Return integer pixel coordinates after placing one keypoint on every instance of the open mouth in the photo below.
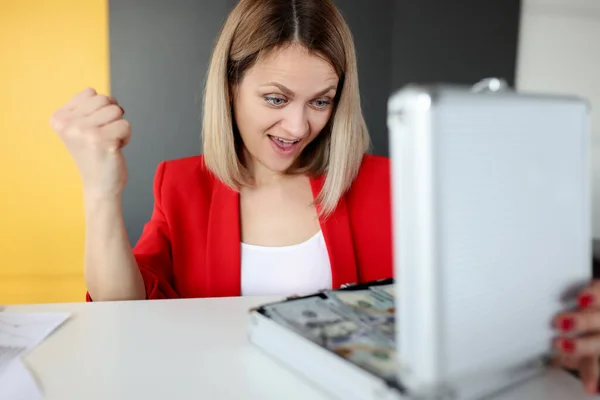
(284, 146)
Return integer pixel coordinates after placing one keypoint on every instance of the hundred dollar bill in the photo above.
(333, 324)
(370, 355)
(366, 305)
(311, 317)
(385, 290)
(373, 310)
(365, 302)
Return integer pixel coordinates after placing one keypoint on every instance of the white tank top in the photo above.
(299, 269)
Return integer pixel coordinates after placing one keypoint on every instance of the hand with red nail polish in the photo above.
(579, 338)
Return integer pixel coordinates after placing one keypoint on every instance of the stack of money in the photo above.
(357, 325)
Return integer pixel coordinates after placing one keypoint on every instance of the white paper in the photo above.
(27, 330)
(20, 333)
(8, 354)
(16, 383)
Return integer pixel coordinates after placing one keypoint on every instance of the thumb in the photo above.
(590, 374)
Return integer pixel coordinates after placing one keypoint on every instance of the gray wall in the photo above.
(160, 52)
(159, 55)
(454, 41)
(372, 29)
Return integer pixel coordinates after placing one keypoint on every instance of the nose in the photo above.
(295, 122)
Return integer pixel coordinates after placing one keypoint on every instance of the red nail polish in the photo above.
(568, 345)
(567, 324)
(586, 300)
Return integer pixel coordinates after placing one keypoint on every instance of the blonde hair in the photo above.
(253, 29)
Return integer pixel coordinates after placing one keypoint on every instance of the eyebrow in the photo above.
(288, 92)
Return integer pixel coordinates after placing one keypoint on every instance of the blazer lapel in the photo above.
(223, 259)
(338, 239)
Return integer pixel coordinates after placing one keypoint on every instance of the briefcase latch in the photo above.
(490, 85)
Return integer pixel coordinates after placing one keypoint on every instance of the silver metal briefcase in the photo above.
(492, 232)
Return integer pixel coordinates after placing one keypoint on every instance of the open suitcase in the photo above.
(492, 238)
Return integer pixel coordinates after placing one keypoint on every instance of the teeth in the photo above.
(284, 141)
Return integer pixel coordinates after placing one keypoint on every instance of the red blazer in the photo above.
(191, 245)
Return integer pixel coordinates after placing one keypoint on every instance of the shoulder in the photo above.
(183, 176)
(186, 165)
(184, 169)
(373, 177)
(373, 166)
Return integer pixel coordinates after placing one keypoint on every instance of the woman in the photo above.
(284, 199)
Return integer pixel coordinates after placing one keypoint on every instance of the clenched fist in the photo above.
(92, 128)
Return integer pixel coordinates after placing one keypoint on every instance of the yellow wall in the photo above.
(49, 50)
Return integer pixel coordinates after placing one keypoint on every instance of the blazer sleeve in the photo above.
(153, 250)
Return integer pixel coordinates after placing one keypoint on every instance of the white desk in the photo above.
(184, 349)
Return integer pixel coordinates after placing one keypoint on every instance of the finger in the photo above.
(78, 98)
(117, 134)
(590, 296)
(95, 103)
(589, 369)
(566, 361)
(586, 321)
(105, 115)
(61, 117)
(584, 346)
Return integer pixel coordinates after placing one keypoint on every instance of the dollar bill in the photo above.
(385, 290)
(356, 325)
(363, 345)
(311, 317)
(365, 305)
(373, 311)
(340, 332)
(365, 301)
(370, 355)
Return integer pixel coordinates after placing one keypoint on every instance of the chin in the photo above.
(275, 160)
(280, 160)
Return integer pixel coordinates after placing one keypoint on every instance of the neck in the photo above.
(261, 175)
(265, 177)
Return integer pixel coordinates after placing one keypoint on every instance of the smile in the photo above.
(284, 141)
(284, 147)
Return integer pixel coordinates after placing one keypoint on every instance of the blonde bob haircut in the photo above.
(254, 29)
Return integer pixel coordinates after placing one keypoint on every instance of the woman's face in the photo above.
(281, 105)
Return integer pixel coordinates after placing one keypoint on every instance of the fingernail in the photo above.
(567, 324)
(567, 345)
(586, 300)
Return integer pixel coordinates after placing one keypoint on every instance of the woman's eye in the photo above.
(275, 101)
(321, 104)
